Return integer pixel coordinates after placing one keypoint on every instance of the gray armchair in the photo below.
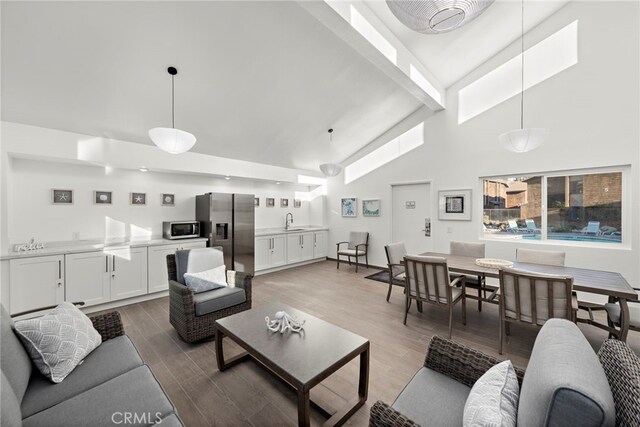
(357, 246)
(193, 315)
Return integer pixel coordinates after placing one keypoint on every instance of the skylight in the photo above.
(390, 151)
(363, 26)
(552, 55)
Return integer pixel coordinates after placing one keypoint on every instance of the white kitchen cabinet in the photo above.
(270, 251)
(87, 278)
(320, 239)
(36, 282)
(299, 247)
(128, 272)
(157, 273)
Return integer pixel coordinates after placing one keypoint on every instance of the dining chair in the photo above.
(475, 250)
(395, 259)
(357, 246)
(533, 298)
(534, 256)
(428, 280)
(613, 316)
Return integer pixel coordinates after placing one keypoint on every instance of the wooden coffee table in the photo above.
(302, 360)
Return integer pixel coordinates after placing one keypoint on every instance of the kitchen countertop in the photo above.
(71, 247)
(294, 229)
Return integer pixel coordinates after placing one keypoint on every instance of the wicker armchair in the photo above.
(446, 357)
(182, 315)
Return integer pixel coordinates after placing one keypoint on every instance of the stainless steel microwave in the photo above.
(180, 229)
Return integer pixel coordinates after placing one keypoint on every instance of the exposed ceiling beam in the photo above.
(359, 27)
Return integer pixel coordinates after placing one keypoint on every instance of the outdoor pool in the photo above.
(576, 238)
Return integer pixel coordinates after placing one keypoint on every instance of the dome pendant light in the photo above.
(522, 140)
(172, 140)
(330, 169)
(437, 16)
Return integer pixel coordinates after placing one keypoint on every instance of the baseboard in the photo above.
(121, 303)
(287, 266)
(360, 264)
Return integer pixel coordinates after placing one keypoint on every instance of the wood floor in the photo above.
(248, 395)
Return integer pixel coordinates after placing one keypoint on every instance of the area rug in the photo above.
(383, 276)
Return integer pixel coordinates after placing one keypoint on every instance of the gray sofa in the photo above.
(565, 384)
(111, 386)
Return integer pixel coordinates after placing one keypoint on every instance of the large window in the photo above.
(576, 207)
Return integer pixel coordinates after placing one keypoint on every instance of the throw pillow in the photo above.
(206, 280)
(58, 341)
(493, 400)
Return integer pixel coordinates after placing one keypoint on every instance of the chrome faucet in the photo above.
(286, 218)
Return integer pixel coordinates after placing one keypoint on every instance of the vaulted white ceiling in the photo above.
(258, 81)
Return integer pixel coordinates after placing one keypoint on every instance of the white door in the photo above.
(411, 210)
(36, 282)
(278, 251)
(306, 246)
(158, 276)
(87, 278)
(320, 244)
(262, 253)
(128, 272)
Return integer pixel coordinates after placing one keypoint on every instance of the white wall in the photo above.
(592, 113)
(33, 215)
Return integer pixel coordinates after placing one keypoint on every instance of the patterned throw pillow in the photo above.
(206, 280)
(58, 341)
(493, 400)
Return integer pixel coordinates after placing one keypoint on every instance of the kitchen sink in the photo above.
(294, 229)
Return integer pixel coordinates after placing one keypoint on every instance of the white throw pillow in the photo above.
(493, 400)
(58, 341)
(206, 280)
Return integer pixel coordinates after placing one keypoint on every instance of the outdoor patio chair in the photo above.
(532, 299)
(395, 255)
(357, 246)
(428, 280)
(534, 256)
(593, 227)
(531, 226)
(613, 315)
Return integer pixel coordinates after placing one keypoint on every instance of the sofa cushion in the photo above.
(136, 392)
(218, 299)
(622, 368)
(10, 414)
(58, 341)
(197, 260)
(171, 420)
(14, 359)
(564, 383)
(493, 400)
(113, 358)
(432, 399)
(206, 280)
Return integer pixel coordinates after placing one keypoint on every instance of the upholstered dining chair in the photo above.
(357, 246)
(475, 250)
(192, 314)
(428, 280)
(534, 256)
(613, 314)
(395, 262)
(532, 299)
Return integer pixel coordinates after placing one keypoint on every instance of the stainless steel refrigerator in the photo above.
(228, 220)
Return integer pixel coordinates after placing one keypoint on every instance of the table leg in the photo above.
(363, 383)
(219, 350)
(303, 409)
(624, 319)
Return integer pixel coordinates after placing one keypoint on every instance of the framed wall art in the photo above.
(371, 207)
(168, 199)
(349, 207)
(284, 203)
(138, 199)
(271, 202)
(102, 197)
(256, 201)
(61, 197)
(454, 205)
(297, 203)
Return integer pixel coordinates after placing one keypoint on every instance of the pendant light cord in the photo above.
(173, 109)
(522, 67)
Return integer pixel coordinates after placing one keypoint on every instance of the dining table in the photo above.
(609, 283)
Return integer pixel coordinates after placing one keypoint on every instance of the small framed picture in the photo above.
(256, 201)
(349, 207)
(284, 203)
(102, 197)
(139, 199)
(454, 205)
(62, 197)
(271, 202)
(371, 207)
(297, 203)
(168, 199)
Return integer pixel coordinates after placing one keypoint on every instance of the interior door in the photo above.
(412, 213)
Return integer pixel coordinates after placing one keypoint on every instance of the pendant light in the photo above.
(437, 16)
(330, 169)
(172, 140)
(522, 140)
